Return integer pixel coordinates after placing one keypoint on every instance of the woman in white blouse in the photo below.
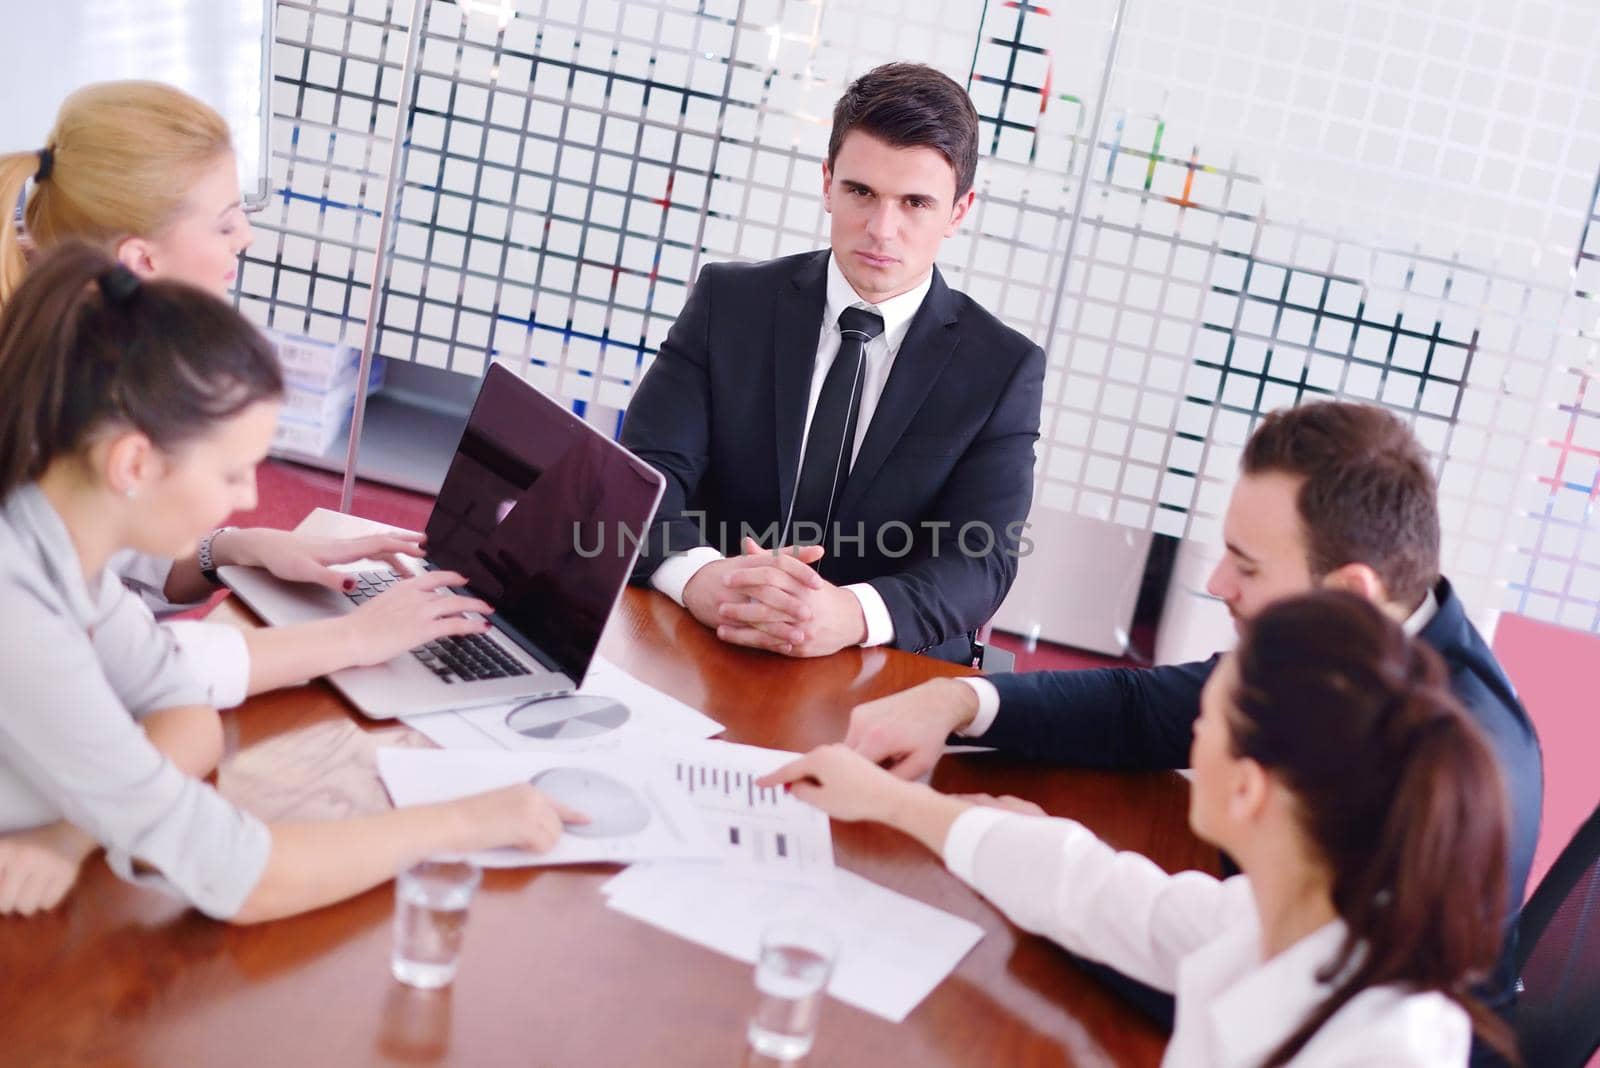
(136, 422)
(1362, 807)
(147, 173)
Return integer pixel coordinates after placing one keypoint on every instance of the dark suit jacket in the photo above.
(722, 410)
(1144, 718)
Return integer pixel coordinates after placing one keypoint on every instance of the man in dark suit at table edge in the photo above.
(847, 400)
(1330, 494)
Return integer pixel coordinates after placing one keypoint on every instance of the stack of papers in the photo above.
(893, 949)
(319, 392)
(723, 857)
(672, 797)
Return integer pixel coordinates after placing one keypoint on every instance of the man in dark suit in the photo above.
(1330, 494)
(850, 402)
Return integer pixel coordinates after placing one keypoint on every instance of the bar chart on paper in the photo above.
(766, 831)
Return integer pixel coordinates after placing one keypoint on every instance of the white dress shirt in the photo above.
(214, 653)
(1199, 938)
(674, 573)
(83, 663)
(989, 697)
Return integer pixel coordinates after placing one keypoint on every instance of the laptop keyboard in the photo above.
(463, 658)
(371, 583)
(468, 658)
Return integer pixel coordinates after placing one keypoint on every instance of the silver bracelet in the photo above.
(208, 565)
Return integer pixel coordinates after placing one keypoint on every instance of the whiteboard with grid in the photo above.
(1385, 201)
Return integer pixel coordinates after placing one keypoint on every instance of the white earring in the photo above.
(130, 493)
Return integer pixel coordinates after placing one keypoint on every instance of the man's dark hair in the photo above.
(910, 105)
(1368, 495)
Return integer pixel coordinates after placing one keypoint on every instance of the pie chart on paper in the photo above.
(613, 807)
(567, 718)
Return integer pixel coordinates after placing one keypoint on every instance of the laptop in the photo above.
(544, 515)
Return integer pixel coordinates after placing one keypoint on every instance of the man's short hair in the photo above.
(910, 105)
(1368, 494)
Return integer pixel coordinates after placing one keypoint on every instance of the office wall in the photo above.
(212, 50)
(1269, 202)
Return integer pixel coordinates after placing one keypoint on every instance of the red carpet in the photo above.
(286, 493)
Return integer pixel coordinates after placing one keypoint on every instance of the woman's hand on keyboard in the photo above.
(299, 558)
(412, 613)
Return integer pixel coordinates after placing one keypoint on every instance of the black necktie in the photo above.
(833, 427)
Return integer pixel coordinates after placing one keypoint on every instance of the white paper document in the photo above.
(630, 707)
(893, 949)
(762, 833)
(635, 812)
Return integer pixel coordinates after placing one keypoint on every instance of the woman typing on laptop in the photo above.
(1364, 809)
(147, 173)
(136, 413)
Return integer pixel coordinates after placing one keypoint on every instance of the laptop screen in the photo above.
(543, 515)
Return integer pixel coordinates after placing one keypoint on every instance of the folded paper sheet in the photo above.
(893, 949)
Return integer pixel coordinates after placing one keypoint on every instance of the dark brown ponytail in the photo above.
(1396, 788)
(83, 345)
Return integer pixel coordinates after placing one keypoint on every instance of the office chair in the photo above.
(1558, 958)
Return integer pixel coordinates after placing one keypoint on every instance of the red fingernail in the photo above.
(349, 583)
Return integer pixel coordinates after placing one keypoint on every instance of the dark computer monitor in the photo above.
(544, 516)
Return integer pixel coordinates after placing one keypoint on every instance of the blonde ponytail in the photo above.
(124, 156)
(15, 170)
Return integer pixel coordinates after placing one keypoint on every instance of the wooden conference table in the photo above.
(549, 975)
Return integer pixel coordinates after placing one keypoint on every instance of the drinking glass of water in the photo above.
(430, 918)
(792, 970)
